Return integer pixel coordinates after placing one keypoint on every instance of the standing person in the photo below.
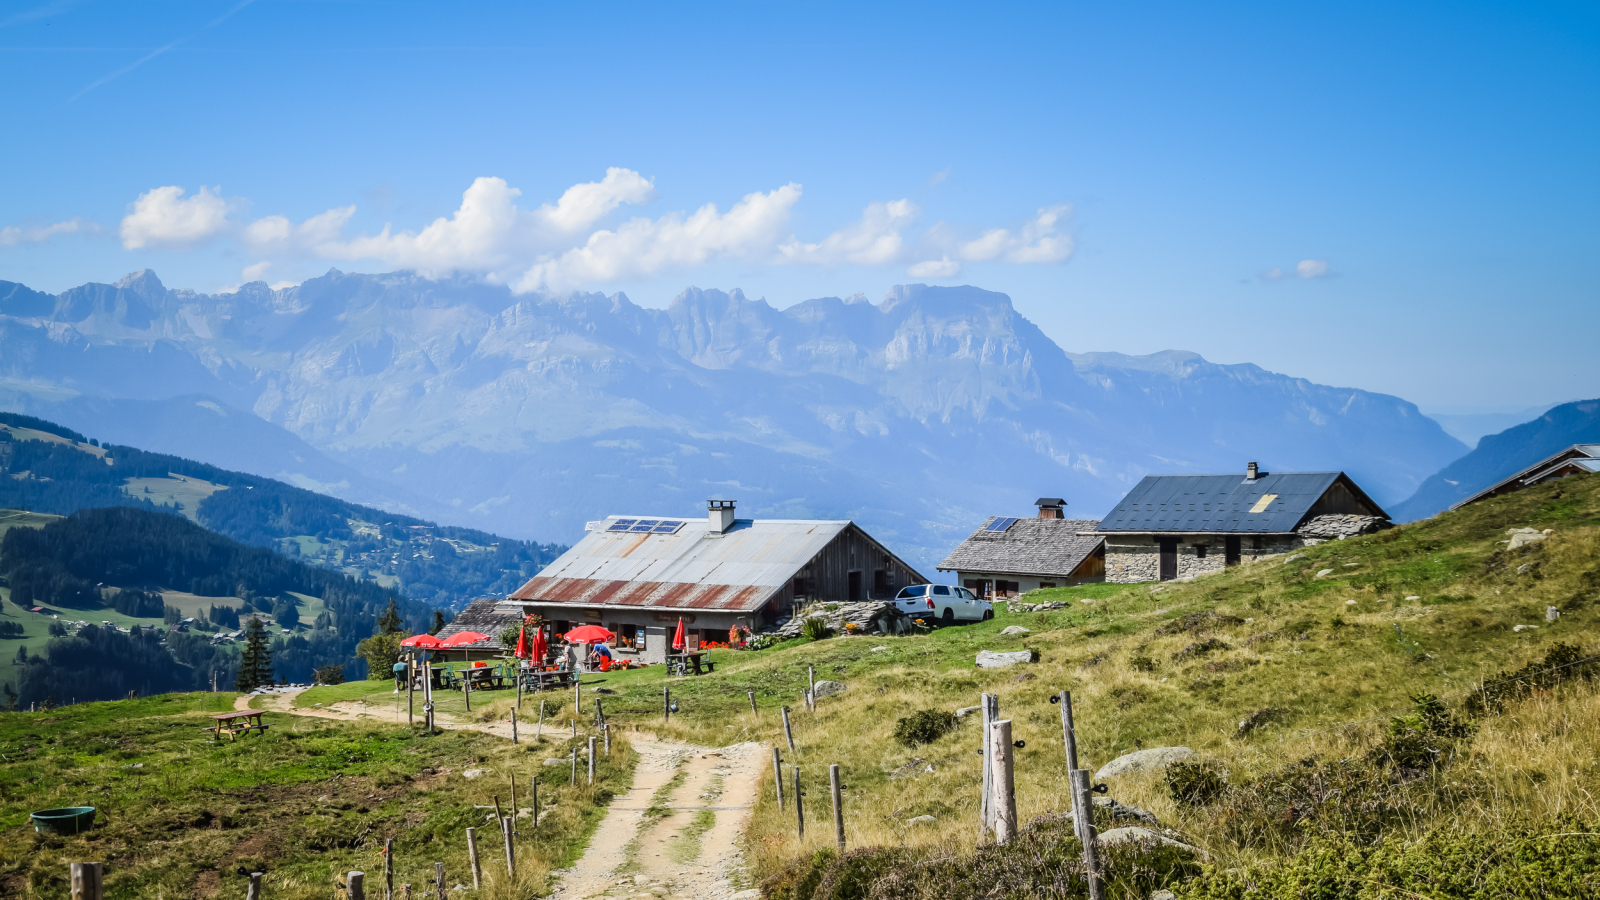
(569, 656)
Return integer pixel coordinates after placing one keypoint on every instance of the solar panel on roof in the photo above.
(621, 525)
(666, 527)
(644, 525)
(1001, 524)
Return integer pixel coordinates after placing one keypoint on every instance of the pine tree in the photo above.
(438, 622)
(390, 622)
(255, 663)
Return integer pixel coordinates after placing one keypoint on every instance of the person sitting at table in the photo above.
(399, 669)
(600, 657)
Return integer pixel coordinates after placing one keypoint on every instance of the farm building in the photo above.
(1579, 459)
(1010, 555)
(1180, 526)
(637, 576)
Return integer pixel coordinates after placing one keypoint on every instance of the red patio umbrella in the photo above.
(464, 637)
(678, 641)
(589, 634)
(539, 648)
(522, 642)
(424, 641)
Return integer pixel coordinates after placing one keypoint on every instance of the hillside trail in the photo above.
(674, 834)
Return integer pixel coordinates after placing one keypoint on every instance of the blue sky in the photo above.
(1397, 199)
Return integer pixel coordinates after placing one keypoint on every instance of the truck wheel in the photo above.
(949, 617)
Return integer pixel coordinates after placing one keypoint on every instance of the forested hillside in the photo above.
(70, 565)
(56, 470)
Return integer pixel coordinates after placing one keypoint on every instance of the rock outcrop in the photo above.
(1154, 758)
(871, 616)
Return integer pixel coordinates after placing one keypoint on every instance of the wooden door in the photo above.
(1231, 550)
(855, 587)
(1169, 558)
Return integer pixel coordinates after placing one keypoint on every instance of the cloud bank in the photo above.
(574, 241)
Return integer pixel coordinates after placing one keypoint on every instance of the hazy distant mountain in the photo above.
(1469, 428)
(529, 415)
(1499, 456)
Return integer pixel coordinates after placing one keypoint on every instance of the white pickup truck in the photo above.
(943, 603)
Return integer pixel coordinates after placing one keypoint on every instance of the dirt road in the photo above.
(674, 835)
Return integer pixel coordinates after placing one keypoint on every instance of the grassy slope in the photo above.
(1294, 640)
(310, 799)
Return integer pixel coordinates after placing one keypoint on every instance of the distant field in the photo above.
(28, 434)
(179, 491)
(13, 518)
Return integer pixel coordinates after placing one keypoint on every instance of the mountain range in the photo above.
(527, 415)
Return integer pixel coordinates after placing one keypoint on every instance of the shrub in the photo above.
(328, 674)
(1200, 648)
(1142, 663)
(1422, 739)
(1560, 664)
(924, 727)
(1196, 783)
(815, 629)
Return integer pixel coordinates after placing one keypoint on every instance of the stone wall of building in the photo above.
(1137, 558)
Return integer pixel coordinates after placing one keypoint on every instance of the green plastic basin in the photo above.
(67, 820)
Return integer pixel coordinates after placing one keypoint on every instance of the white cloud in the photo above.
(163, 218)
(254, 272)
(1304, 269)
(276, 235)
(642, 247)
(944, 267)
(12, 235)
(873, 241)
(1311, 268)
(1038, 241)
(585, 204)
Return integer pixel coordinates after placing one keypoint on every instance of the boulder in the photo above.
(557, 762)
(872, 616)
(989, 659)
(1524, 536)
(1154, 758)
(824, 688)
(470, 774)
(921, 820)
(1134, 834)
(1015, 629)
(1121, 813)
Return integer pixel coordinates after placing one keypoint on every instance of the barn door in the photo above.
(1169, 558)
(855, 587)
(1231, 550)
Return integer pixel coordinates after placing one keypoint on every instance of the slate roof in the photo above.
(1582, 454)
(1210, 504)
(738, 571)
(1028, 547)
(482, 616)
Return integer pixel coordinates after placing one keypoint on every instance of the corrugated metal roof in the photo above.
(738, 570)
(1220, 503)
(1029, 547)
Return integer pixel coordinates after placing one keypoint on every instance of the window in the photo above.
(940, 590)
(1047, 584)
(1255, 543)
(916, 590)
(629, 637)
(1200, 551)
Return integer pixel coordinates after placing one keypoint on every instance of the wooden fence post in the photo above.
(438, 882)
(577, 695)
(574, 723)
(799, 807)
(86, 881)
(511, 849)
(811, 688)
(607, 732)
(788, 732)
(1005, 798)
(1069, 736)
(536, 802)
(472, 858)
(1083, 824)
(388, 869)
(411, 690)
(513, 728)
(466, 689)
(538, 732)
(355, 886)
(753, 710)
(599, 712)
(666, 704)
(986, 787)
(777, 776)
(253, 892)
(838, 805)
(574, 782)
(591, 759)
(513, 795)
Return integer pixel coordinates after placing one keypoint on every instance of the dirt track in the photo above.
(680, 845)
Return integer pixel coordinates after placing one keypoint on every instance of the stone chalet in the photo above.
(637, 576)
(1008, 556)
(1578, 459)
(1180, 526)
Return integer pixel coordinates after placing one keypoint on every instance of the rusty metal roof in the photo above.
(737, 571)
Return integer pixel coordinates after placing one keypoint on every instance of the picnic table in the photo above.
(236, 723)
(483, 678)
(538, 679)
(683, 663)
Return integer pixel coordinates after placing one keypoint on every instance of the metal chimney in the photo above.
(720, 515)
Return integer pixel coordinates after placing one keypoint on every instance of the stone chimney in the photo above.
(720, 515)
(1251, 472)
(1051, 507)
